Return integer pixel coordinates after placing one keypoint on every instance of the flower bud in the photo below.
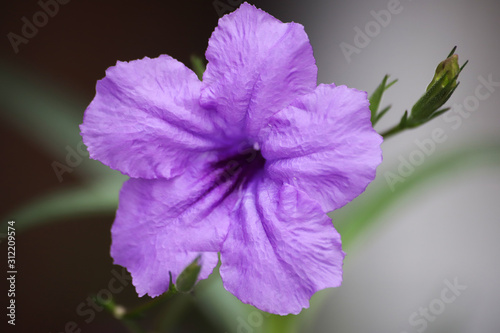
(448, 68)
(187, 279)
(438, 92)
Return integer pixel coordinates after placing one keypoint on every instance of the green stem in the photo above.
(112, 308)
(128, 319)
(138, 311)
(169, 317)
(396, 129)
(132, 326)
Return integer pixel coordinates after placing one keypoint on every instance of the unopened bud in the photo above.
(187, 279)
(442, 86)
(448, 68)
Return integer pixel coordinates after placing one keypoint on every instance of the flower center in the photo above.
(240, 168)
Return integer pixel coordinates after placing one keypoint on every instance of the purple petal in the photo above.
(325, 145)
(162, 225)
(145, 119)
(257, 65)
(281, 248)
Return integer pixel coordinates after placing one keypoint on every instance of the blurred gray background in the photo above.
(444, 229)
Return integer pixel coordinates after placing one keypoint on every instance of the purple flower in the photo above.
(245, 163)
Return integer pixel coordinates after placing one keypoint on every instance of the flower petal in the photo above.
(325, 145)
(281, 248)
(145, 119)
(256, 66)
(162, 225)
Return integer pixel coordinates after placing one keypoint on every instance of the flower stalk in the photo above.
(429, 106)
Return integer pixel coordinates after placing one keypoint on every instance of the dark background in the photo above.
(61, 263)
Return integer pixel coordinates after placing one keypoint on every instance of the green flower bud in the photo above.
(448, 68)
(438, 92)
(429, 106)
(187, 279)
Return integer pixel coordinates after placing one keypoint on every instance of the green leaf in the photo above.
(223, 308)
(282, 324)
(99, 198)
(376, 97)
(439, 112)
(47, 113)
(452, 51)
(381, 114)
(198, 66)
(188, 277)
(141, 310)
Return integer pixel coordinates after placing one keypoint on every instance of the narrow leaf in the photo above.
(198, 66)
(381, 114)
(376, 97)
